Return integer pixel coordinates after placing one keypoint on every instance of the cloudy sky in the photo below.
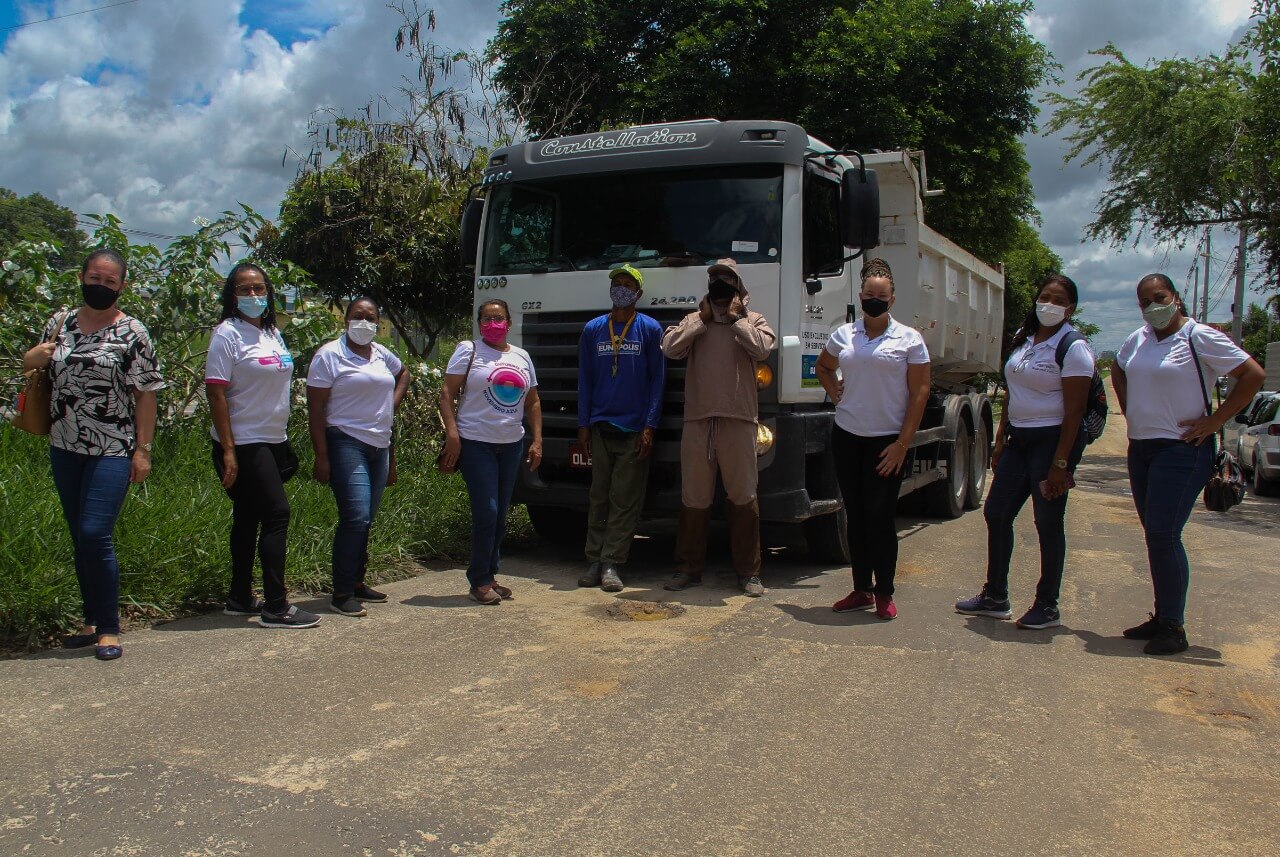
(161, 111)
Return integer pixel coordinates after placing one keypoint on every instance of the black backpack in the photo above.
(1095, 411)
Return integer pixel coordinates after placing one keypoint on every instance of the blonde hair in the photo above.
(877, 268)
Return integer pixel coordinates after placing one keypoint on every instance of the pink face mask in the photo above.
(494, 331)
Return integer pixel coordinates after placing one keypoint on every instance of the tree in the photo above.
(954, 77)
(38, 219)
(373, 224)
(1261, 327)
(1186, 143)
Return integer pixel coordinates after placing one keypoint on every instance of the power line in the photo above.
(68, 15)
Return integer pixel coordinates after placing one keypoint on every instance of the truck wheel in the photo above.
(979, 462)
(1262, 486)
(828, 537)
(559, 526)
(945, 499)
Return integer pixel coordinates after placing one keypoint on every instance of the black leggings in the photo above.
(870, 502)
(259, 519)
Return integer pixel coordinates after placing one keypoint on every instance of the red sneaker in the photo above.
(855, 601)
(885, 608)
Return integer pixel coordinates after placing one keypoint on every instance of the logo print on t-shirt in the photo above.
(507, 385)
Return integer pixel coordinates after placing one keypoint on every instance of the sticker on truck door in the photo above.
(813, 338)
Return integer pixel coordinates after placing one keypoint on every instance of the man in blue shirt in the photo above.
(621, 371)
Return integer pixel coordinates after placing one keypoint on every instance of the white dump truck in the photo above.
(552, 216)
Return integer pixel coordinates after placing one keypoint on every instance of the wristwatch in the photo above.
(145, 447)
(1060, 462)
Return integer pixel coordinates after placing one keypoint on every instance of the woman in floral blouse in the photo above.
(105, 377)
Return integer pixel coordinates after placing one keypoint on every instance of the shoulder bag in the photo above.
(461, 390)
(1225, 487)
(32, 413)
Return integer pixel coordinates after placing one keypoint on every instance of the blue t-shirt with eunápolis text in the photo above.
(631, 398)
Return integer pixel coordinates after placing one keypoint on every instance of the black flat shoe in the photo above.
(107, 653)
(79, 641)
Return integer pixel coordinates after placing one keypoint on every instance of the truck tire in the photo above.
(979, 463)
(946, 498)
(559, 526)
(828, 537)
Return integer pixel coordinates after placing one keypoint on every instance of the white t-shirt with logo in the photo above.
(874, 371)
(256, 368)
(361, 392)
(1035, 379)
(1162, 386)
(492, 407)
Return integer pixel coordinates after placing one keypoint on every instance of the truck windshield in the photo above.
(650, 219)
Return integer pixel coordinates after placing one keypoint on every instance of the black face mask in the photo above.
(874, 307)
(98, 296)
(719, 290)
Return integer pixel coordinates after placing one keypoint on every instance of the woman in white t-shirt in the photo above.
(354, 386)
(1162, 375)
(247, 378)
(1038, 445)
(496, 391)
(879, 398)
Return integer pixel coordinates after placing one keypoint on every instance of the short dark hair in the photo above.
(362, 299)
(493, 302)
(878, 268)
(111, 256)
(229, 305)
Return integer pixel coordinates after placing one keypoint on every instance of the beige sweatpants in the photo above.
(720, 445)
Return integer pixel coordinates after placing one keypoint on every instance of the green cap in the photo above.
(630, 272)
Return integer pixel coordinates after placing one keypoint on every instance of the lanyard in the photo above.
(618, 339)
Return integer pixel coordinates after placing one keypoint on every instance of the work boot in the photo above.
(744, 538)
(610, 578)
(591, 577)
(691, 549)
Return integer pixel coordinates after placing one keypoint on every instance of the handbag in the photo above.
(440, 465)
(1225, 487)
(33, 411)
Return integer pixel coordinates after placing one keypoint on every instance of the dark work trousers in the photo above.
(870, 502)
(1024, 464)
(1167, 477)
(259, 520)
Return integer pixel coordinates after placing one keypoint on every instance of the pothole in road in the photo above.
(643, 611)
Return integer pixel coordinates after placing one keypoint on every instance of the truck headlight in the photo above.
(764, 376)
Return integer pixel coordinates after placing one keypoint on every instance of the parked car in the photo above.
(1233, 431)
(1260, 445)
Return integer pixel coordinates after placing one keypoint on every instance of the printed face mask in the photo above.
(623, 297)
(360, 331)
(494, 332)
(251, 306)
(1159, 315)
(874, 307)
(98, 296)
(1050, 314)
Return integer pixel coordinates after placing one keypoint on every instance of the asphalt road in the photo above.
(770, 726)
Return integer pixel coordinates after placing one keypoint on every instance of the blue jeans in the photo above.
(1167, 477)
(92, 490)
(1024, 464)
(357, 475)
(489, 469)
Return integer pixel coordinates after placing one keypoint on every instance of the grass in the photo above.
(171, 538)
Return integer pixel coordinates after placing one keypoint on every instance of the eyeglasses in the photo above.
(245, 291)
(493, 318)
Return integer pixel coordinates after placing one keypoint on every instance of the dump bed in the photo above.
(952, 297)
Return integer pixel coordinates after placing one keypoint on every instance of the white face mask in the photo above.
(1050, 314)
(361, 332)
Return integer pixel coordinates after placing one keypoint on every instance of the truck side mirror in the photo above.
(860, 209)
(1243, 419)
(469, 234)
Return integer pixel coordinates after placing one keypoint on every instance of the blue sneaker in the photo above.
(1040, 616)
(983, 605)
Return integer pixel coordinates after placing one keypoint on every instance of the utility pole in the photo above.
(1204, 295)
(1195, 284)
(1237, 309)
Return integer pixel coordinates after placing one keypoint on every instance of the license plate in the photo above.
(579, 458)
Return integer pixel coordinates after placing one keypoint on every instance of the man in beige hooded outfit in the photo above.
(723, 341)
